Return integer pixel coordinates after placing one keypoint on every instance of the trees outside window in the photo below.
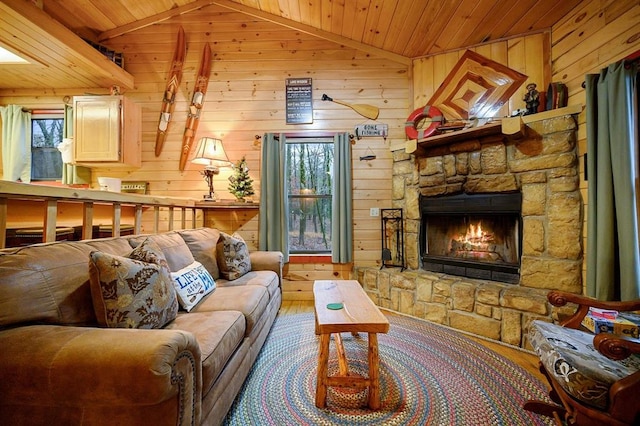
(46, 135)
(310, 179)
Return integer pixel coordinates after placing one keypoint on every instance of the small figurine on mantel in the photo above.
(532, 99)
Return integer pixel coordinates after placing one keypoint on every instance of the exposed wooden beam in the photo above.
(154, 19)
(250, 11)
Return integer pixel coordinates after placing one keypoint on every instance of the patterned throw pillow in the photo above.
(134, 291)
(192, 283)
(233, 256)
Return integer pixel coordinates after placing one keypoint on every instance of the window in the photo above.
(46, 135)
(309, 166)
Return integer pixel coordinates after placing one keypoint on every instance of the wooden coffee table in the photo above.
(358, 314)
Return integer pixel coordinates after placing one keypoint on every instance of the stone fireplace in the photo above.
(472, 235)
(542, 169)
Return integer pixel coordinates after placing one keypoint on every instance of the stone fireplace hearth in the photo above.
(543, 167)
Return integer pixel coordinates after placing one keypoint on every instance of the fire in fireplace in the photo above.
(472, 235)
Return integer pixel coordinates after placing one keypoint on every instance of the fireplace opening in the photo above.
(472, 235)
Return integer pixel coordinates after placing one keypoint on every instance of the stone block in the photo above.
(524, 300)
(565, 225)
(463, 296)
(475, 324)
(384, 285)
(511, 332)
(475, 164)
(543, 162)
(435, 312)
(402, 281)
(564, 184)
(484, 310)
(370, 280)
(462, 163)
(489, 294)
(532, 177)
(406, 302)
(403, 168)
(553, 125)
(424, 289)
(493, 159)
(432, 180)
(412, 205)
(534, 197)
(431, 166)
(533, 236)
(496, 183)
(398, 187)
(449, 165)
(551, 274)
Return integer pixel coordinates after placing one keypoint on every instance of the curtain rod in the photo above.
(628, 61)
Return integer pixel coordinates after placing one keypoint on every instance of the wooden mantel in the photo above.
(512, 127)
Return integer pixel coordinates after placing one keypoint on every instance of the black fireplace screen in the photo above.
(477, 236)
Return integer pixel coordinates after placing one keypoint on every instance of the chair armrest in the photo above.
(561, 298)
(615, 347)
(84, 366)
(262, 260)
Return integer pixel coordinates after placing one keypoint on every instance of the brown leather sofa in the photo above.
(57, 366)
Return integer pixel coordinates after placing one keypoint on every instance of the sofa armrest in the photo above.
(83, 366)
(267, 261)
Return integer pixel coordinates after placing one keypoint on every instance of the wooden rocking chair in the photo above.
(621, 399)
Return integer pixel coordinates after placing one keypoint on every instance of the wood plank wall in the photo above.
(588, 39)
(246, 97)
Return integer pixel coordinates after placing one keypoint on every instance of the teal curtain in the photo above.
(274, 215)
(342, 223)
(16, 144)
(72, 174)
(613, 237)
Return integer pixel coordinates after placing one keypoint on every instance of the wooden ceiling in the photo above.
(404, 29)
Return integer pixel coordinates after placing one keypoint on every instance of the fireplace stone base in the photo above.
(497, 311)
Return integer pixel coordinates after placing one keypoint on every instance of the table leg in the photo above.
(323, 369)
(374, 374)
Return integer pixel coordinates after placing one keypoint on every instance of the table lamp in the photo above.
(210, 152)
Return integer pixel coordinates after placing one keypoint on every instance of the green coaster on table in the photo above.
(335, 306)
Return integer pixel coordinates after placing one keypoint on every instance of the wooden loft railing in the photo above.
(49, 197)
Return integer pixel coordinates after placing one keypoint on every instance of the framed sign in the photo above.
(134, 187)
(299, 101)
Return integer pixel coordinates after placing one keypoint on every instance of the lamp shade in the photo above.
(210, 152)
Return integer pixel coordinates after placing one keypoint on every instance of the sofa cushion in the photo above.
(135, 291)
(173, 246)
(218, 335)
(570, 357)
(233, 256)
(268, 279)
(202, 243)
(251, 300)
(192, 283)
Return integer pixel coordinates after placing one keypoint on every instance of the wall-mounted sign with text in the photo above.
(299, 101)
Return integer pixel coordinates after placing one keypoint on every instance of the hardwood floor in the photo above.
(524, 359)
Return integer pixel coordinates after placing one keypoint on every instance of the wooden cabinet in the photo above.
(107, 131)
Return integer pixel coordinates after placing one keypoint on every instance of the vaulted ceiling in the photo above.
(405, 28)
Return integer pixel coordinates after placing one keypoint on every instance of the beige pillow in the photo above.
(233, 256)
(134, 291)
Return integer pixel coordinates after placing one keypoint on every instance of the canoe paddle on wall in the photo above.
(368, 111)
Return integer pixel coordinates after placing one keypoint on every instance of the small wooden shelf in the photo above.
(226, 205)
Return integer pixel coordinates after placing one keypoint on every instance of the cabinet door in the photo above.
(97, 129)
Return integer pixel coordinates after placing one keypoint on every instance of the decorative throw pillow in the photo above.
(134, 291)
(192, 283)
(233, 256)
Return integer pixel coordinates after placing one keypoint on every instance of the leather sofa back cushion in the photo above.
(202, 243)
(135, 291)
(50, 283)
(172, 245)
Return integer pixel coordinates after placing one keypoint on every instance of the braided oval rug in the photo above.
(429, 375)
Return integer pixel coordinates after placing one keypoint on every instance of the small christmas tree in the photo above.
(241, 185)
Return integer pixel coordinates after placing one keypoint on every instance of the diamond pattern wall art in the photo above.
(477, 87)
